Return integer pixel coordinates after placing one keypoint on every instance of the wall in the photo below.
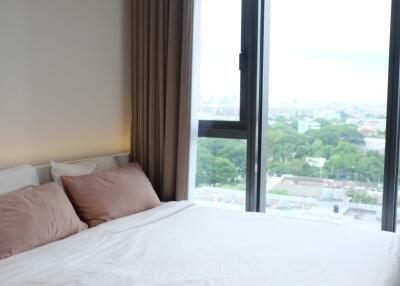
(64, 79)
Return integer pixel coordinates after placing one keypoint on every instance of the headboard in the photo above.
(44, 171)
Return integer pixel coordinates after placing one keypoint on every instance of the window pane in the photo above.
(327, 108)
(221, 173)
(219, 82)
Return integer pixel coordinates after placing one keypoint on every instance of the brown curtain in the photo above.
(161, 93)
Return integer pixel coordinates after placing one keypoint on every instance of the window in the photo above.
(307, 96)
(221, 177)
(327, 109)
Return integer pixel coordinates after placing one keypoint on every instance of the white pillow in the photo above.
(104, 164)
(18, 177)
(96, 165)
(63, 169)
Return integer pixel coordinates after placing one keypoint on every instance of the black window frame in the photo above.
(250, 113)
(390, 182)
(229, 128)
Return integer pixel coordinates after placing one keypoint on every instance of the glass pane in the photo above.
(327, 109)
(221, 173)
(219, 82)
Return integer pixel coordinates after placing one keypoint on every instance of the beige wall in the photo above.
(64, 79)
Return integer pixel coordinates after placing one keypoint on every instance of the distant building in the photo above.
(353, 121)
(333, 194)
(316, 162)
(289, 110)
(218, 111)
(379, 124)
(372, 126)
(328, 114)
(375, 144)
(367, 130)
(307, 124)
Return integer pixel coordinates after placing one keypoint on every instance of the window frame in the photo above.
(247, 126)
(390, 182)
(228, 128)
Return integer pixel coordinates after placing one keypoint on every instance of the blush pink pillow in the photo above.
(105, 196)
(35, 216)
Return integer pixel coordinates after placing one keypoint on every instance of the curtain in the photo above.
(161, 93)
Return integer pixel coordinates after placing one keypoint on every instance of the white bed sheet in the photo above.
(182, 244)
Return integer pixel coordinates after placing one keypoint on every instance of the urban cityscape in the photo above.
(324, 162)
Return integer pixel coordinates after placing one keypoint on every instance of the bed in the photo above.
(179, 243)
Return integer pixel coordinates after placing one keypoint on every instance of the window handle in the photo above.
(242, 61)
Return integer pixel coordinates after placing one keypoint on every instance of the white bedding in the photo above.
(183, 244)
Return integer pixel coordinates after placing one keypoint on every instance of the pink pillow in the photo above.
(35, 216)
(105, 196)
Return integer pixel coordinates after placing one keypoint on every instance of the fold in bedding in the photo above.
(180, 243)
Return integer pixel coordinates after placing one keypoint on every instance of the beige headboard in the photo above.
(44, 171)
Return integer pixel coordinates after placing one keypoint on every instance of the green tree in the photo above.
(303, 151)
(204, 161)
(223, 161)
(370, 167)
(361, 198)
(235, 151)
(220, 161)
(344, 161)
(334, 134)
(324, 122)
(223, 171)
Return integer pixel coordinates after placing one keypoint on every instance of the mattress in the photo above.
(180, 243)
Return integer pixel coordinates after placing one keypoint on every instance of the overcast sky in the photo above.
(322, 51)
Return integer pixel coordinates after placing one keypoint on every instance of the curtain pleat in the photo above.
(161, 93)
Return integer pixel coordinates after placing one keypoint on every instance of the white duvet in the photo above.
(182, 244)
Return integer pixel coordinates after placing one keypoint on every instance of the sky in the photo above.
(321, 51)
(220, 45)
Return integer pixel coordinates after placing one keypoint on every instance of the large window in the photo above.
(299, 109)
(222, 92)
(327, 109)
(221, 162)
